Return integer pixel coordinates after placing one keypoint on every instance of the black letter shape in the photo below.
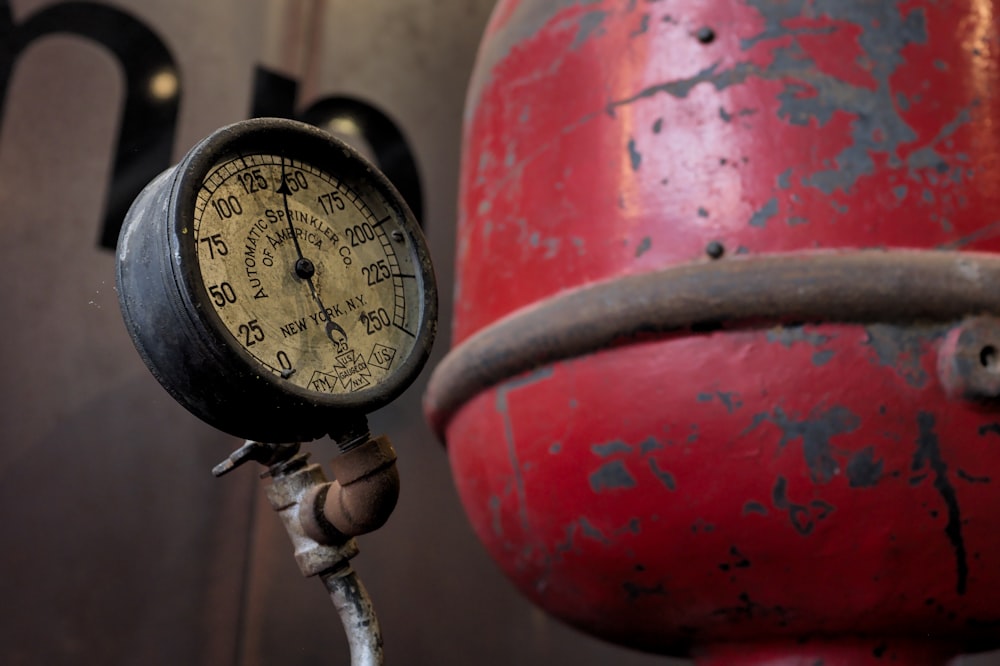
(146, 137)
(275, 94)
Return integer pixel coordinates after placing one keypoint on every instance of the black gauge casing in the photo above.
(178, 332)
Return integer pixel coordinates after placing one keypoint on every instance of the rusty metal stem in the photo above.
(350, 598)
(863, 286)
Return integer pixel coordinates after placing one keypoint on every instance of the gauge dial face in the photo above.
(313, 277)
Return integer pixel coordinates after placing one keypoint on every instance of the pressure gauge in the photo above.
(275, 283)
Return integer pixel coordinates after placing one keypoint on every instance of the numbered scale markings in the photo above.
(260, 215)
(295, 255)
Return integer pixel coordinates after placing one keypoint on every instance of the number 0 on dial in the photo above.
(295, 281)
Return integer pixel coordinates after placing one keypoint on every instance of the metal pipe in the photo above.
(850, 286)
(357, 614)
(366, 488)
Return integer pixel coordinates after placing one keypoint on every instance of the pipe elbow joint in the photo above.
(359, 500)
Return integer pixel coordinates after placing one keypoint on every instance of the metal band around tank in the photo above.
(866, 286)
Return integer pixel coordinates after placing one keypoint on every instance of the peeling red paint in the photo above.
(818, 87)
(863, 547)
(602, 140)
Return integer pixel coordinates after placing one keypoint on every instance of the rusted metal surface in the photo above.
(770, 498)
(360, 499)
(350, 598)
(807, 484)
(264, 453)
(611, 141)
(757, 292)
(290, 486)
(293, 493)
(969, 364)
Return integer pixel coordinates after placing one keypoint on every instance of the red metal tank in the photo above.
(725, 365)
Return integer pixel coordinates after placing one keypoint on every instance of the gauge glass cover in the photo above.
(310, 275)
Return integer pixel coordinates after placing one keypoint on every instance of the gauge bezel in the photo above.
(249, 400)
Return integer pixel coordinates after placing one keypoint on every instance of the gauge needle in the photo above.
(304, 268)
